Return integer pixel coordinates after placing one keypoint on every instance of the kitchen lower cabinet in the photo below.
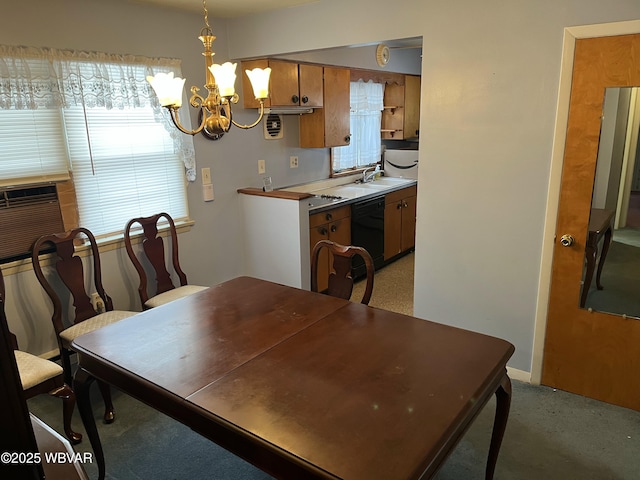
(333, 225)
(399, 221)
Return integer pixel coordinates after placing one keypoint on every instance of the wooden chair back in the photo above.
(70, 269)
(340, 280)
(153, 248)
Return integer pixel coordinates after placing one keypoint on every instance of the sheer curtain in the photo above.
(366, 101)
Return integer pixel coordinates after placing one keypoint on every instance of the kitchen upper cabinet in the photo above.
(291, 84)
(399, 221)
(401, 114)
(329, 126)
(333, 225)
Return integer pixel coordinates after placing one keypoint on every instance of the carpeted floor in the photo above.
(551, 435)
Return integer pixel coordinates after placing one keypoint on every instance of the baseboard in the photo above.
(520, 375)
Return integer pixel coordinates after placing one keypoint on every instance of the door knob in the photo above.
(566, 240)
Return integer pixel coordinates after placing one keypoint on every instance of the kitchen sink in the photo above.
(391, 181)
(353, 191)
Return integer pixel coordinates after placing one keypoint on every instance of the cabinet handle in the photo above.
(323, 231)
(405, 204)
(347, 139)
(305, 99)
(399, 206)
(295, 99)
(329, 216)
(333, 228)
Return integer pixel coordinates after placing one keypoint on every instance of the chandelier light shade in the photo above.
(220, 85)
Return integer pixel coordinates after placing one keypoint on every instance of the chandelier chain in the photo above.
(206, 16)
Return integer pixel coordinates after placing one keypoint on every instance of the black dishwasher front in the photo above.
(367, 231)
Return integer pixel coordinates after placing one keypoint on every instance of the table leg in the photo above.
(605, 248)
(591, 251)
(82, 381)
(503, 404)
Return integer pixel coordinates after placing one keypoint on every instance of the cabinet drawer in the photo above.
(329, 216)
(400, 194)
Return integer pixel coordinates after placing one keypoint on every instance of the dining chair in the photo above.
(39, 376)
(153, 254)
(341, 280)
(70, 270)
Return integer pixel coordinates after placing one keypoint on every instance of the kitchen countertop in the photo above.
(322, 199)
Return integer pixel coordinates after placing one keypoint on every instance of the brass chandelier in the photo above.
(216, 117)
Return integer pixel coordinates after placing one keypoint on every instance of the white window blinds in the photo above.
(33, 150)
(124, 166)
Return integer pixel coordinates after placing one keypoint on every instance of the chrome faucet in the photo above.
(370, 176)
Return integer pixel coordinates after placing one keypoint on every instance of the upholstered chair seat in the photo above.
(34, 370)
(171, 295)
(93, 323)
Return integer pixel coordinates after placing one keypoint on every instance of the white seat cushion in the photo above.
(34, 370)
(172, 295)
(94, 323)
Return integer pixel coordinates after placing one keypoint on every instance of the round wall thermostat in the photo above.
(382, 54)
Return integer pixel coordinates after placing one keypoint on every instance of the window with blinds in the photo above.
(124, 166)
(92, 116)
(33, 149)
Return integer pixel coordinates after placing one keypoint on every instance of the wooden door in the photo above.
(590, 353)
(317, 233)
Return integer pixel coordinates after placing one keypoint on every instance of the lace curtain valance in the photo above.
(32, 78)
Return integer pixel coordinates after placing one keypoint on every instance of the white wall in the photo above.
(490, 74)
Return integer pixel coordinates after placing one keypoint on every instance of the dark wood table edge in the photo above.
(498, 385)
(288, 465)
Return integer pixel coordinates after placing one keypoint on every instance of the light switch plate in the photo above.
(206, 176)
(262, 167)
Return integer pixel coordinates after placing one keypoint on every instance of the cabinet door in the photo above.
(411, 106)
(284, 87)
(336, 107)
(408, 239)
(340, 231)
(317, 233)
(329, 126)
(311, 91)
(392, 228)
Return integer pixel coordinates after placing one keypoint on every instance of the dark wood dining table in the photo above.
(300, 384)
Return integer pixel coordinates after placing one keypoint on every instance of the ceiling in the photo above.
(226, 8)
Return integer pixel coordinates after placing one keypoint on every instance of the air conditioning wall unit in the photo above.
(28, 213)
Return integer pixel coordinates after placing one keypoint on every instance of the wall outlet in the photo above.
(97, 302)
(293, 162)
(262, 167)
(206, 176)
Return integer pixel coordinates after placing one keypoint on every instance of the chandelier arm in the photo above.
(176, 121)
(246, 127)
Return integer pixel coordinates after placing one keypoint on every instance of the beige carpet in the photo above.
(392, 287)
